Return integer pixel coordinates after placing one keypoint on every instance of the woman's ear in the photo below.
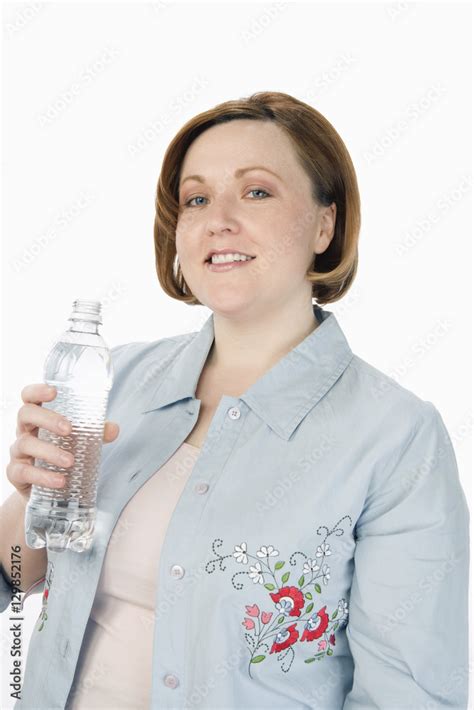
(326, 228)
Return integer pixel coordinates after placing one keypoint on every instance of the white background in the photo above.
(94, 92)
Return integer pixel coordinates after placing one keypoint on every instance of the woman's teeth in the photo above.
(224, 258)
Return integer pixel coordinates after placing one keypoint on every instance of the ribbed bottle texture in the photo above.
(80, 369)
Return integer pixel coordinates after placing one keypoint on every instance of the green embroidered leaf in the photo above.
(258, 659)
(329, 651)
(317, 588)
(269, 586)
(336, 626)
(301, 581)
(281, 619)
(42, 624)
(309, 660)
(308, 595)
(45, 616)
(309, 608)
(285, 578)
(334, 615)
(279, 565)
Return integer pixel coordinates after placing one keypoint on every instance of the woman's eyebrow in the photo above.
(238, 173)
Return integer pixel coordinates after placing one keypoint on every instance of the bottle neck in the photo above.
(83, 326)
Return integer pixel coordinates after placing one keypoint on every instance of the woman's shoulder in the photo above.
(379, 394)
(139, 365)
(138, 350)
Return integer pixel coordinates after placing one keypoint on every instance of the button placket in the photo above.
(227, 410)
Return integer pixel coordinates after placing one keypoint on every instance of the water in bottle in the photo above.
(79, 367)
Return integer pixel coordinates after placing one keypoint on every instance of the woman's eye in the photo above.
(200, 197)
(257, 189)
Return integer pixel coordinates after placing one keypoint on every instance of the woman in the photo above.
(279, 524)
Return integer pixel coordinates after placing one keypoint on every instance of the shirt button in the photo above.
(234, 412)
(177, 571)
(201, 487)
(171, 681)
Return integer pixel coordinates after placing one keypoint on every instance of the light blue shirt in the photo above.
(325, 567)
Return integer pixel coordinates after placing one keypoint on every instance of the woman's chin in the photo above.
(227, 304)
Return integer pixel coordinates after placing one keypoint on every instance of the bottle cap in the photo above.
(83, 309)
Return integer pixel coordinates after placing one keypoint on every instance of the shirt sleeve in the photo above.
(408, 612)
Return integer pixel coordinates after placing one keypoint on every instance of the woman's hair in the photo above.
(322, 154)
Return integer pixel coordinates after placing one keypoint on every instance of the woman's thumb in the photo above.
(111, 431)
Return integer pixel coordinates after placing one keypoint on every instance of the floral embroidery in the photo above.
(268, 632)
(48, 580)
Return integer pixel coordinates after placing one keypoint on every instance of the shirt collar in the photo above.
(286, 392)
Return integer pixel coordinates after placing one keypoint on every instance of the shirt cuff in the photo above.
(5, 591)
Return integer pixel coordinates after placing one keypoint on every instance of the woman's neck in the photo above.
(241, 348)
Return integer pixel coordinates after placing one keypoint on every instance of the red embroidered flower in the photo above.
(45, 593)
(289, 600)
(285, 638)
(316, 625)
(253, 610)
(332, 639)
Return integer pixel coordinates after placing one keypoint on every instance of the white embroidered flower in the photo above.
(343, 607)
(240, 553)
(267, 551)
(326, 574)
(285, 605)
(310, 566)
(255, 573)
(323, 550)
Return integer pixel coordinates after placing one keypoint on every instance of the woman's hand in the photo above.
(21, 471)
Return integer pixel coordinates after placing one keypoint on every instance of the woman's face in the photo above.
(270, 216)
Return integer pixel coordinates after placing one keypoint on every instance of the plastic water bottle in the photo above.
(80, 367)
